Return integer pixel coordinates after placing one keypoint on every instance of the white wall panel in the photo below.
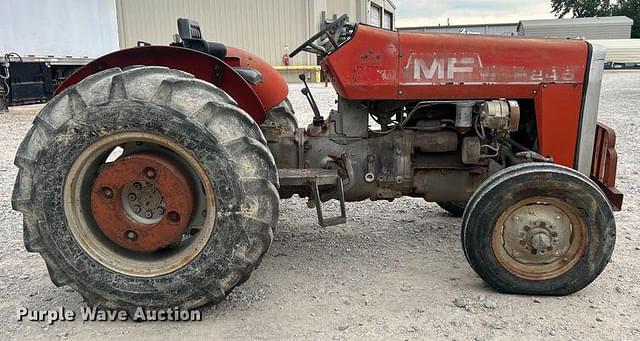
(78, 28)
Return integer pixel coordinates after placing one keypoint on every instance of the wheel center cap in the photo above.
(540, 241)
(150, 197)
(537, 234)
(142, 202)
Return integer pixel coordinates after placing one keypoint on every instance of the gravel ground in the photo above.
(394, 271)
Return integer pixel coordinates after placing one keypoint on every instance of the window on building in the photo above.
(375, 15)
(388, 20)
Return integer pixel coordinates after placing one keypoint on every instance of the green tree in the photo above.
(631, 9)
(581, 8)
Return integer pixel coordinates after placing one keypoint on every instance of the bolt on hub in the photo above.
(131, 197)
(534, 238)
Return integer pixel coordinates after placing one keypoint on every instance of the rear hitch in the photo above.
(313, 179)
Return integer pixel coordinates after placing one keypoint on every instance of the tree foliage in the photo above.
(581, 8)
(631, 9)
(599, 8)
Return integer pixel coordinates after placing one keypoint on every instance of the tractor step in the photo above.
(314, 178)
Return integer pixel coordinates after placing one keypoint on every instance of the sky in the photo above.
(461, 12)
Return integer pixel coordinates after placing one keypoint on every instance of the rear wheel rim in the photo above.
(539, 238)
(99, 245)
(143, 202)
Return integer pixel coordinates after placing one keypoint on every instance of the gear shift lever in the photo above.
(318, 120)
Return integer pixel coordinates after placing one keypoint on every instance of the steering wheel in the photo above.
(325, 41)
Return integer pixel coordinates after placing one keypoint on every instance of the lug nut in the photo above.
(132, 235)
(132, 197)
(136, 209)
(148, 214)
(150, 173)
(160, 210)
(107, 192)
(137, 185)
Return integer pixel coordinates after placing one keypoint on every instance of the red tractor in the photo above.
(153, 178)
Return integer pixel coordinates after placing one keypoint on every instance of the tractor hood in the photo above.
(381, 64)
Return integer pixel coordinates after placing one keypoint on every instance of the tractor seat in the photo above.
(191, 36)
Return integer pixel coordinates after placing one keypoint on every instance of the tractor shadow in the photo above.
(406, 245)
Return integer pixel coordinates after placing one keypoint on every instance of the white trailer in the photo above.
(621, 53)
(44, 41)
(58, 28)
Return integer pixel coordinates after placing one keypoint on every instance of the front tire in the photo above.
(167, 114)
(539, 229)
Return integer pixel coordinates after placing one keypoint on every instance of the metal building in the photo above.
(585, 28)
(505, 29)
(266, 28)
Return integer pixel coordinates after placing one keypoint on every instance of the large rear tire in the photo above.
(170, 115)
(538, 229)
(283, 116)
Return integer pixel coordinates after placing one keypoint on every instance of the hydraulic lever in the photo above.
(318, 120)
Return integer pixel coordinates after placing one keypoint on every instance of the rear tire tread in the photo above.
(201, 103)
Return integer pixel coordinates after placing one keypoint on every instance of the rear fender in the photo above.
(201, 65)
(274, 89)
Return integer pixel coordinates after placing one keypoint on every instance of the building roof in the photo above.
(621, 20)
(392, 4)
(457, 26)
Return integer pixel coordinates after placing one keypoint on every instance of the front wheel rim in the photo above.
(539, 238)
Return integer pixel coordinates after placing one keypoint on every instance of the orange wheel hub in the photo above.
(142, 202)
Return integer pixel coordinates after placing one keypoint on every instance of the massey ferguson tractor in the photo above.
(153, 178)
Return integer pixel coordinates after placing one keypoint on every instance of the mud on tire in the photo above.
(202, 119)
(283, 116)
